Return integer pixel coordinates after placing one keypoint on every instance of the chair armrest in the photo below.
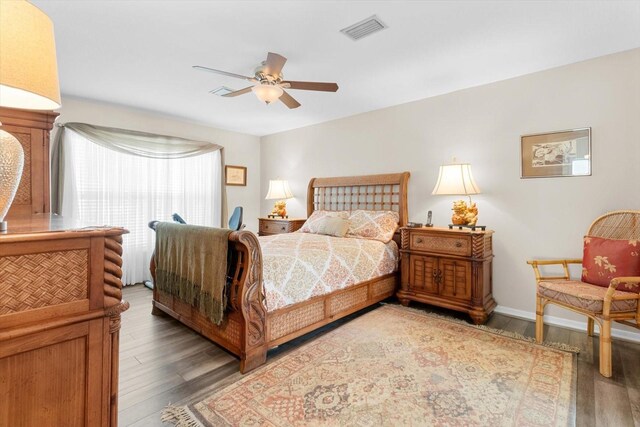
(563, 262)
(619, 280)
(610, 295)
(555, 261)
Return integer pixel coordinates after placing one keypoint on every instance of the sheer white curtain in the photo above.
(106, 187)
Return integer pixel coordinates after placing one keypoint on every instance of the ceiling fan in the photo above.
(270, 85)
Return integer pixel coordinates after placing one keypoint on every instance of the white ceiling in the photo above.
(140, 53)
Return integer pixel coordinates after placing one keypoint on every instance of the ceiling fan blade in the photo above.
(324, 87)
(288, 100)
(238, 92)
(224, 73)
(275, 63)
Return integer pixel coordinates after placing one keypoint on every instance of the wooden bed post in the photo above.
(253, 351)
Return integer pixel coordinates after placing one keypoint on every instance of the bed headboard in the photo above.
(386, 192)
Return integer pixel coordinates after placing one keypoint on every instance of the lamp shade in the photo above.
(267, 93)
(28, 67)
(456, 179)
(279, 190)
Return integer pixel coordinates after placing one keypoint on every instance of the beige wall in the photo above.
(240, 149)
(482, 125)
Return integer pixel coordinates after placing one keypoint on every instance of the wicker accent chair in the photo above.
(600, 304)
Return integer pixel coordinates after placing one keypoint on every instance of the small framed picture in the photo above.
(553, 154)
(235, 175)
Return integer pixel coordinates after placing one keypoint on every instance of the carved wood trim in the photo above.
(113, 313)
(477, 244)
(112, 271)
(251, 292)
(404, 238)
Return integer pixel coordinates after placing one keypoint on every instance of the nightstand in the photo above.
(270, 226)
(448, 268)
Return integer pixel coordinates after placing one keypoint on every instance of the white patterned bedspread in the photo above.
(299, 266)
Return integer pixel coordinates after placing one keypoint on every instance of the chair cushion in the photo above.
(606, 259)
(583, 295)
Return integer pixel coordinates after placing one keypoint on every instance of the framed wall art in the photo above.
(553, 154)
(235, 175)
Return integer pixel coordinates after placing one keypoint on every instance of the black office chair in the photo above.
(235, 221)
(178, 218)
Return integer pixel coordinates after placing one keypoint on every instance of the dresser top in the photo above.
(48, 226)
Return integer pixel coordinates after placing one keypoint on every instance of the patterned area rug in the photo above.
(399, 367)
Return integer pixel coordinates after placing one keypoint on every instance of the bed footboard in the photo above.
(243, 332)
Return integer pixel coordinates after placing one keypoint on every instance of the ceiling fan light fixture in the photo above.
(267, 93)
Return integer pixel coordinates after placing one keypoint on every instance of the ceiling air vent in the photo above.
(220, 91)
(364, 28)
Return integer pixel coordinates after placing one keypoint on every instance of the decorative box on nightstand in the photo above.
(270, 226)
(448, 268)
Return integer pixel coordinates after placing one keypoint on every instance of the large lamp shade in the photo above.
(28, 66)
(279, 190)
(456, 180)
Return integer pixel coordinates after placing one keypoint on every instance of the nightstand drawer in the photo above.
(269, 226)
(443, 244)
(275, 227)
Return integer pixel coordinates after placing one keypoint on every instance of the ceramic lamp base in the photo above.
(11, 163)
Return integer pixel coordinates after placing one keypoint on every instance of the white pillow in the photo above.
(311, 224)
(333, 226)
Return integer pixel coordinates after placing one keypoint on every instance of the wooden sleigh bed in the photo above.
(248, 329)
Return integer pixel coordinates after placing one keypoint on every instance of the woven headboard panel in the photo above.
(387, 192)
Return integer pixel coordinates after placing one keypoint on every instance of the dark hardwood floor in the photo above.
(163, 362)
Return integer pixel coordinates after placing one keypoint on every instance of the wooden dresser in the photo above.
(60, 306)
(270, 226)
(448, 268)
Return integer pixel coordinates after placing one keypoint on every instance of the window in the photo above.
(107, 187)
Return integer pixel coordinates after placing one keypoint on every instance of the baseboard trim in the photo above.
(566, 323)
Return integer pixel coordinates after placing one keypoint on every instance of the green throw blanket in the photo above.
(191, 264)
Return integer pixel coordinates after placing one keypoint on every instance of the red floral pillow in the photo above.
(606, 259)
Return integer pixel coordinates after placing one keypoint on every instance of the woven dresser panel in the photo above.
(283, 324)
(346, 300)
(40, 280)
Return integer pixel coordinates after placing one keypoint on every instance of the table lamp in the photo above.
(279, 190)
(28, 80)
(456, 179)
